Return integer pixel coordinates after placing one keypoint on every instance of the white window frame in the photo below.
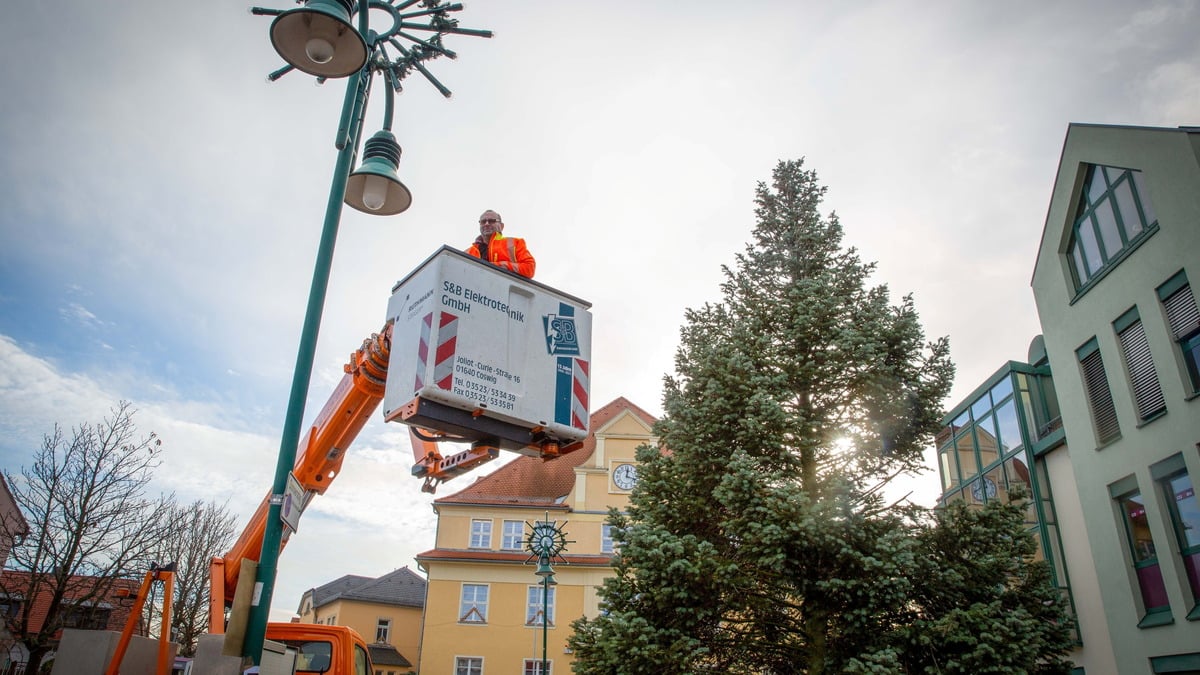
(473, 610)
(513, 536)
(383, 627)
(606, 540)
(468, 665)
(481, 533)
(534, 667)
(533, 606)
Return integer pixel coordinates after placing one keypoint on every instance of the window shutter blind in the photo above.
(1103, 411)
(1182, 313)
(1146, 390)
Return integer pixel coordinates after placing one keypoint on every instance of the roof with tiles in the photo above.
(401, 587)
(531, 481)
(333, 590)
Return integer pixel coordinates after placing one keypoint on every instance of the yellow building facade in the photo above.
(484, 604)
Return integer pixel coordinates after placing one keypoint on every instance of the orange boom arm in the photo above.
(319, 459)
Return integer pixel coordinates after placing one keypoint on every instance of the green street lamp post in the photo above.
(320, 39)
(546, 541)
(546, 572)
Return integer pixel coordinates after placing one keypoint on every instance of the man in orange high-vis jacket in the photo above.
(504, 252)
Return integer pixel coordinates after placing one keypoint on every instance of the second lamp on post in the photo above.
(321, 38)
(546, 541)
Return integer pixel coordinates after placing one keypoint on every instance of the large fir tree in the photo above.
(756, 541)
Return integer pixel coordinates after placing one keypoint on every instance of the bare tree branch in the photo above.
(91, 524)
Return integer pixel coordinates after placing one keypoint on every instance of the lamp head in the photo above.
(544, 569)
(375, 188)
(319, 38)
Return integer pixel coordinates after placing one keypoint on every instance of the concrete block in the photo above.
(87, 652)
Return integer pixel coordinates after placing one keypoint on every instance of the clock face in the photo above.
(625, 476)
(985, 488)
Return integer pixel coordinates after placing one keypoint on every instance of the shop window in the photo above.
(1184, 511)
(1144, 554)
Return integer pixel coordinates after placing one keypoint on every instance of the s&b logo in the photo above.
(561, 337)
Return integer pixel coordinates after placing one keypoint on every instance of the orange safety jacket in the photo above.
(509, 253)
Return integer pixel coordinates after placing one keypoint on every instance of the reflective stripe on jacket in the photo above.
(508, 253)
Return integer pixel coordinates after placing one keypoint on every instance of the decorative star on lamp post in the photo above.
(320, 38)
(546, 541)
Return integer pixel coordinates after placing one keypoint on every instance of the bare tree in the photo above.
(91, 527)
(202, 532)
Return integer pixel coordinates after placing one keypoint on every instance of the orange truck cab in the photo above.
(329, 650)
(290, 649)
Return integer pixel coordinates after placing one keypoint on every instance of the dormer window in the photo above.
(1113, 216)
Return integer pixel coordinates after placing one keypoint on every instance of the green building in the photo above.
(1101, 425)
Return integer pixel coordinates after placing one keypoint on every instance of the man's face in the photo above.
(489, 223)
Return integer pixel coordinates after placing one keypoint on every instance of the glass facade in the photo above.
(983, 451)
(987, 450)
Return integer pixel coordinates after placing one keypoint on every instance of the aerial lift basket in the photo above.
(488, 356)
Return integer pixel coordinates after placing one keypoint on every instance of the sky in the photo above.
(161, 202)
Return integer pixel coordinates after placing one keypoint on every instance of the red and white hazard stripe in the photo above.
(580, 383)
(423, 352)
(443, 360)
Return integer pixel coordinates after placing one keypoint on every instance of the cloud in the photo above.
(77, 313)
(1174, 89)
(161, 216)
(375, 498)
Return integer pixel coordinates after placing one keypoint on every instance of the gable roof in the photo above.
(401, 587)
(327, 593)
(532, 481)
(1098, 139)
